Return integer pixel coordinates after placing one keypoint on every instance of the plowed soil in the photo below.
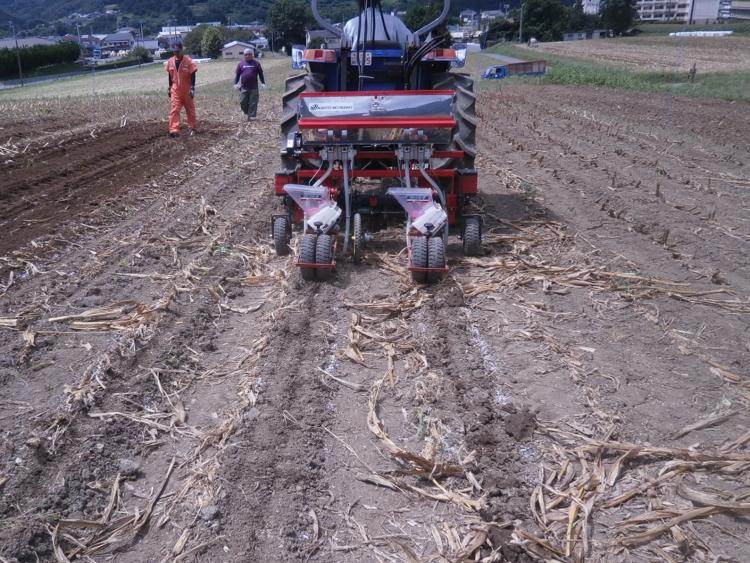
(170, 390)
(665, 54)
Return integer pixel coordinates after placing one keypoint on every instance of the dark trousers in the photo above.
(249, 101)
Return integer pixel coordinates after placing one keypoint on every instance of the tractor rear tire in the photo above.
(295, 85)
(324, 255)
(358, 242)
(472, 236)
(281, 236)
(465, 131)
(436, 258)
(419, 258)
(307, 256)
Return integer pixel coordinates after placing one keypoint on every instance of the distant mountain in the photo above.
(55, 14)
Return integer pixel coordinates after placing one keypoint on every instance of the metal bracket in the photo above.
(420, 153)
(337, 153)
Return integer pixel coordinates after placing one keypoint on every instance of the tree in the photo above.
(143, 54)
(287, 19)
(193, 41)
(502, 30)
(212, 43)
(544, 19)
(618, 15)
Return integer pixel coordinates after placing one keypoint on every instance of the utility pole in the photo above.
(520, 26)
(18, 52)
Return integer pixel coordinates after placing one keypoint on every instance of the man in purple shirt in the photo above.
(246, 81)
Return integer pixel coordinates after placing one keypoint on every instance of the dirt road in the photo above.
(172, 391)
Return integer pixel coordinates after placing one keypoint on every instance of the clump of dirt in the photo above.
(520, 424)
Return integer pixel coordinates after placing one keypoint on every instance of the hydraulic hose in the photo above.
(347, 205)
(325, 175)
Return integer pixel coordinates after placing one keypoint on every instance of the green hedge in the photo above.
(37, 56)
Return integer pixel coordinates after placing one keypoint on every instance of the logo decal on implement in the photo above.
(332, 107)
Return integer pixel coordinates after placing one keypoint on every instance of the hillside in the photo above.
(31, 13)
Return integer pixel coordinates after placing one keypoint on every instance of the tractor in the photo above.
(377, 130)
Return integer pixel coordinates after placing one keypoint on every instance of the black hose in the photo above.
(382, 19)
(361, 61)
(417, 56)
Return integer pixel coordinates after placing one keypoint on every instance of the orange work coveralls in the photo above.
(180, 92)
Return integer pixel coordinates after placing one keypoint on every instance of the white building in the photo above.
(663, 10)
(688, 11)
(174, 30)
(591, 7)
(739, 9)
(705, 11)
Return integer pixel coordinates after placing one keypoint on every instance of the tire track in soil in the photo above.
(277, 469)
(301, 468)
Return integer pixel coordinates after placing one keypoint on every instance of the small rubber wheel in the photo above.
(324, 255)
(419, 258)
(281, 236)
(436, 258)
(358, 239)
(307, 255)
(472, 236)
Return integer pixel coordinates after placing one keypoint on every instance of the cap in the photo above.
(249, 52)
(177, 43)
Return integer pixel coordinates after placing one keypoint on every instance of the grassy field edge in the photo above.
(730, 86)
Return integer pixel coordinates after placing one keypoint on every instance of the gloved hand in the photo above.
(237, 86)
(192, 92)
(262, 86)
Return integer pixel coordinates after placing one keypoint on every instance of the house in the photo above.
(468, 16)
(174, 31)
(260, 42)
(319, 36)
(256, 26)
(118, 42)
(591, 7)
(490, 15)
(236, 49)
(582, 35)
(151, 45)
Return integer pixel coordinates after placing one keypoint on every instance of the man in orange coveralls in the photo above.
(181, 70)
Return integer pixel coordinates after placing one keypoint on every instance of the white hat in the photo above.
(249, 52)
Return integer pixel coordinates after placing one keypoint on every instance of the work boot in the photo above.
(173, 135)
(193, 132)
(251, 118)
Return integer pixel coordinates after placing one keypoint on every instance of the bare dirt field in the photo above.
(172, 391)
(649, 53)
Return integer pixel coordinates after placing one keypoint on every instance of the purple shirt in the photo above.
(247, 74)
